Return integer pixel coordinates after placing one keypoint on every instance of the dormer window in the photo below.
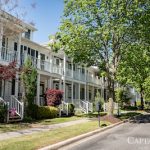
(28, 34)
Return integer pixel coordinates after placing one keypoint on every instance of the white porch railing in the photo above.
(19, 106)
(90, 106)
(64, 107)
(57, 69)
(84, 106)
(6, 54)
(68, 72)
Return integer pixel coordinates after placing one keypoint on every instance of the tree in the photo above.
(29, 79)
(8, 72)
(134, 68)
(97, 32)
(146, 86)
(122, 95)
(14, 8)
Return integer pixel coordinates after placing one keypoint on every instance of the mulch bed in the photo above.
(110, 118)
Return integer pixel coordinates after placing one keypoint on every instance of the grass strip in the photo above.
(38, 140)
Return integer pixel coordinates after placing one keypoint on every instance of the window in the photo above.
(29, 51)
(25, 48)
(42, 57)
(15, 46)
(32, 52)
(69, 66)
(28, 34)
(57, 61)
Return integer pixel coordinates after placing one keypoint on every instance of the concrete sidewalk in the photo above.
(42, 128)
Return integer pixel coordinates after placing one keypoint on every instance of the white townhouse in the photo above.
(55, 70)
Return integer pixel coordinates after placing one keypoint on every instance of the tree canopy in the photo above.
(98, 32)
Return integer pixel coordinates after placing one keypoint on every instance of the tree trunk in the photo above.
(142, 100)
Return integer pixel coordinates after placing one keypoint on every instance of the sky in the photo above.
(46, 15)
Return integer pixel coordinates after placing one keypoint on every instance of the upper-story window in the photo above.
(28, 34)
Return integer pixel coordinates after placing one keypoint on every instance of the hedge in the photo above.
(47, 112)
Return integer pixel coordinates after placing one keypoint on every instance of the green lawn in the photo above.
(19, 126)
(32, 142)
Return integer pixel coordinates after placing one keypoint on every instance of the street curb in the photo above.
(77, 138)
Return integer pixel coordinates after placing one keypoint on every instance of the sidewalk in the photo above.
(42, 128)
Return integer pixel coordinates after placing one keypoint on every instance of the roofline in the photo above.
(21, 23)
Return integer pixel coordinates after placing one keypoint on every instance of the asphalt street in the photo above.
(128, 136)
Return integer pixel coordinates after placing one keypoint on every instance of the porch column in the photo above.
(18, 64)
(16, 85)
(64, 75)
(60, 86)
(72, 92)
(92, 93)
(38, 90)
(85, 97)
(1, 38)
(72, 68)
(50, 83)
(79, 92)
(39, 61)
(18, 49)
(87, 92)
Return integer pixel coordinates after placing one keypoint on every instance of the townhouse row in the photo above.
(55, 70)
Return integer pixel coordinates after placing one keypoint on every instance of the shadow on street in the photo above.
(143, 118)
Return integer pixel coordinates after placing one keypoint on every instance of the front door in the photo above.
(42, 95)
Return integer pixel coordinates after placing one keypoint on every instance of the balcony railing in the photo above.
(57, 69)
(6, 54)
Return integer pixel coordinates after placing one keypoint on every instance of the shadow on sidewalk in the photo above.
(143, 118)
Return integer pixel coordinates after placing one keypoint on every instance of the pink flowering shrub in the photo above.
(12, 112)
(53, 97)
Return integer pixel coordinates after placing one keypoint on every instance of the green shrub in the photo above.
(32, 111)
(138, 104)
(78, 112)
(71, 109)
(47, 112)
(147, 106)
(130, 108)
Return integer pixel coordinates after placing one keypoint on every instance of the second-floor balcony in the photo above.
(8, 55)
(69, 73)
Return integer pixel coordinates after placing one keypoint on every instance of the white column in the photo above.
(64, 90)
(60, 86)
(72, 92)
(85, 74)
(72, 68)
(18, 49)
(64, 82)
(39, 61)
(38, 90)
(64, 65)
(92, 93)
(85, 92)
(51, 62)
(50, 83)
(79, 92)
(16, 85)
(1, 38)
(18, 64)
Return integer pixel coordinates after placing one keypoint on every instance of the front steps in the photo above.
(15, 109)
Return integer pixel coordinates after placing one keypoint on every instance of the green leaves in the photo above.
(100, 32)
